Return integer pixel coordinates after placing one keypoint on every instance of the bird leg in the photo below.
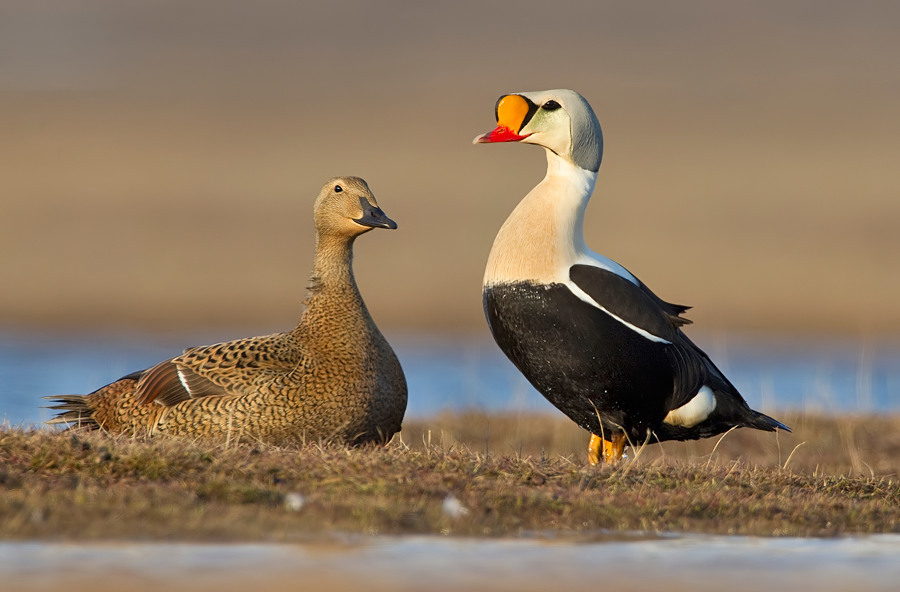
(612, 449)
(594, 449)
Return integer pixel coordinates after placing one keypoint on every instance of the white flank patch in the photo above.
(694, 411)
(581, 294)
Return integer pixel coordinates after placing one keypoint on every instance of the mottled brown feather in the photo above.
(334, 376)
(161, 384)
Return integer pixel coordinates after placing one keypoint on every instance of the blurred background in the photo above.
(159, 161)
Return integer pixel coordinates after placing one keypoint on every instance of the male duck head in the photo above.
(346, 206)
(560, 120)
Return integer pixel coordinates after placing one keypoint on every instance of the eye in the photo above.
(550, 106)
(338, 188)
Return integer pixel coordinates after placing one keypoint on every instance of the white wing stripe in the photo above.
(589, 257)
(183, 378)
(587, 298)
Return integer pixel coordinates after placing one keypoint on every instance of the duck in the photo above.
(592, 338)
(334, 377)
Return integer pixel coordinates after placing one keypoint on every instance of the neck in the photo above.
(544, 235)
(573, 187)
(335, 317)
(333, 269)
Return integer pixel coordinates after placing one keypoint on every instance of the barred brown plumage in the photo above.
(333, 377)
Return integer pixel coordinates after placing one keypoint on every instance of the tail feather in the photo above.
(74, 412)
(761, 421)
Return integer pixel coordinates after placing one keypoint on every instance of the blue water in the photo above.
(677, 563)
(470, 373)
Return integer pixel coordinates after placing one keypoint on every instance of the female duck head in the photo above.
(346, 206)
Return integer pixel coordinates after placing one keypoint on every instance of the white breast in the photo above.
(544, 236)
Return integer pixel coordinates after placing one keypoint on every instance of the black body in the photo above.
(594, 367)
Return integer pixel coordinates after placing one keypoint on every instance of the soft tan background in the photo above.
(158, 160)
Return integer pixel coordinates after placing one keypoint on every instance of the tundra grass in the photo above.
(463, 474)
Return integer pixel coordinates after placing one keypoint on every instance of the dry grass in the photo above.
(92, 486)
(853, 445)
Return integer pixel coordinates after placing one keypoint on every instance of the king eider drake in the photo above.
(590, 336)
(333, 377)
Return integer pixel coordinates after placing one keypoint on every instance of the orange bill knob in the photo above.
(512, 113)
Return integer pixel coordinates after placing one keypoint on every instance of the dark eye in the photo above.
(338, 188)
(550, 106)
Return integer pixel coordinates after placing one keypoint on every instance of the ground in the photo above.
(474, 475)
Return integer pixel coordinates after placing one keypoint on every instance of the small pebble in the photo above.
(294, 502)
(453, 508)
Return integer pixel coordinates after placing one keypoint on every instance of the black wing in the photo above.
(638, 306)
(633, 303)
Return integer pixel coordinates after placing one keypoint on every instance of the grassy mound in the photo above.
(477, 475)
